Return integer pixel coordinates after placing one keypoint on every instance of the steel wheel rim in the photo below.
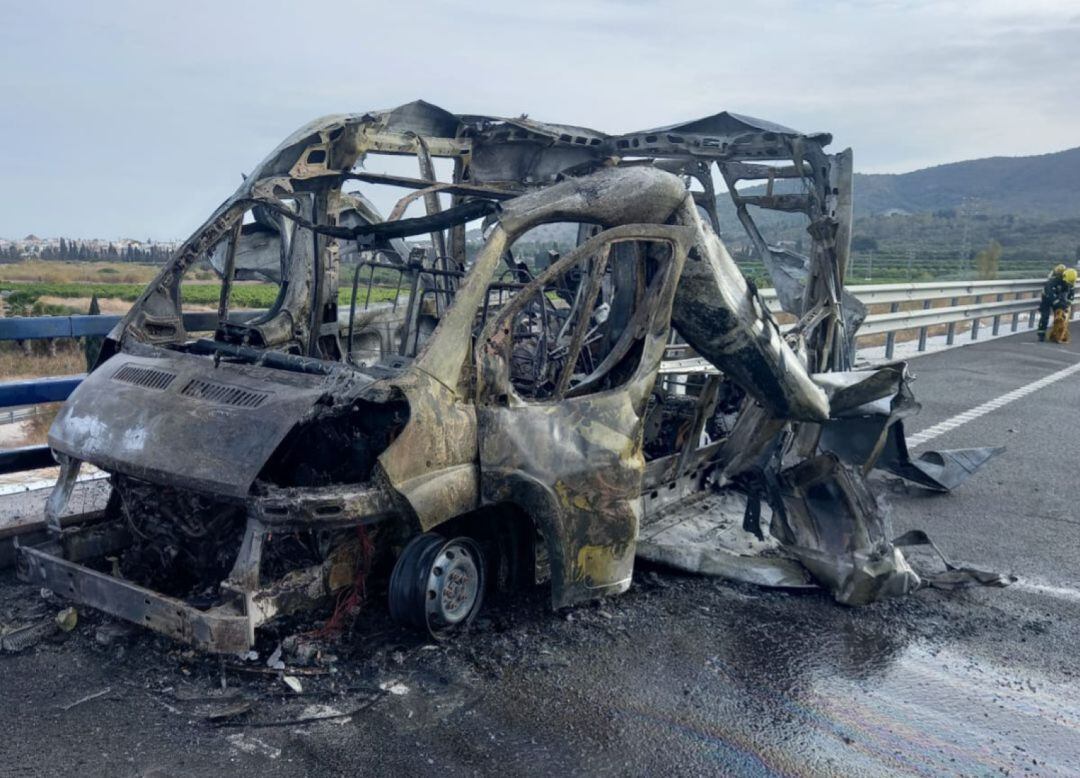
(453, 585)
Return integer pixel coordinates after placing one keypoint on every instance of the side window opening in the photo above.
(531, 254)
(583, 331)
(395, 305)
(259, 262)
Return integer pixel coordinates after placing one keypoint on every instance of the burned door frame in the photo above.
(576, 463)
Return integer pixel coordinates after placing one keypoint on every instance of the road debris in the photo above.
(227, 712)
(312, 714)
(395, 687)
(247, 744)
(274, 660)
(67, 619)
(22, 638)
(87, 698)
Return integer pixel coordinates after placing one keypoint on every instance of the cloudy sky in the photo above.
(135, 119)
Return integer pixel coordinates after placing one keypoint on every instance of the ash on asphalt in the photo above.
(681, 675)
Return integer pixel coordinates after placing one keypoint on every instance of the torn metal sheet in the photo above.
(940, 470)
(833, 525)
(867, 430)
(706, 536)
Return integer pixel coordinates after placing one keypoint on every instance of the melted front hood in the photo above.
(179, 420)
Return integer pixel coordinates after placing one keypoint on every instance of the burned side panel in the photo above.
(432, 464)
(575, 462)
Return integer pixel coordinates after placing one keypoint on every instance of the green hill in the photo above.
(1046, 186)
(931, 222)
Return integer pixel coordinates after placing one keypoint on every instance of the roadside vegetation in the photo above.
(244, 294)
(43, 271)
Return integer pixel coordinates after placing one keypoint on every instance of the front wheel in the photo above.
(437, 584)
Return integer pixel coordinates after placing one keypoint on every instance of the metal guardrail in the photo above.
(13, 415)
(38, 390)
(989, 300)
(47, 327)
(879, 294)
(1023, 299)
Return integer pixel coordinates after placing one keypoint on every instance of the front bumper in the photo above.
(246, 603)
(222, 629)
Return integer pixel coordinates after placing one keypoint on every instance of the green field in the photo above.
(253, 296)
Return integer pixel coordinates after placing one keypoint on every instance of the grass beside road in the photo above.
(243, 295)
(55, 272)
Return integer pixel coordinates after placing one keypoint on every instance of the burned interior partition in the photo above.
(416, 392)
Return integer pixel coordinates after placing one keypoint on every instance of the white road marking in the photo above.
(992, 405)
(1059, 592)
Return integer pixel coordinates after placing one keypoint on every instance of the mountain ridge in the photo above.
(1043, 185)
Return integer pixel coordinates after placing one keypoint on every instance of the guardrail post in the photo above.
(922, 330)
(890, 339)
(1016, 316)
(975, 323)
(950, 336)
(1031, 316)
(997, 319)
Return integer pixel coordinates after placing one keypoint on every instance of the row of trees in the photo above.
(91, 251)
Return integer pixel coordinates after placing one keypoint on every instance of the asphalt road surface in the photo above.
(680, 676)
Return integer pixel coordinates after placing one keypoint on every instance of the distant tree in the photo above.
(864, 243)
(988, 260)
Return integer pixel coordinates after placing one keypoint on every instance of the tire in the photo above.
(437, 585)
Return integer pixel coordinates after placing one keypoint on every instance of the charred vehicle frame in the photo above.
(493, 422)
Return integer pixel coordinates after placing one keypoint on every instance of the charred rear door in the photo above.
(561, 401)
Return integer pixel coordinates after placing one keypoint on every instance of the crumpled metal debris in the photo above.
(706, 536)
(824, 520)
(867, 429)
(829, 531)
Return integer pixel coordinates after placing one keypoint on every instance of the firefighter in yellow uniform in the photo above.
(1057, 295)
(1062, 305)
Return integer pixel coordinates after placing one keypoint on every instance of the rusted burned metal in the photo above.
(523, 410)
